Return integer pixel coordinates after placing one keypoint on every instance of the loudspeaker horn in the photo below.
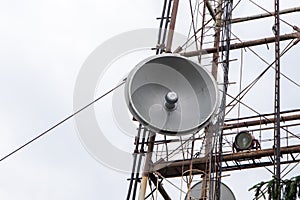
(171, 94)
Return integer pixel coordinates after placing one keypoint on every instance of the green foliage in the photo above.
(258, 189)
(289, 188)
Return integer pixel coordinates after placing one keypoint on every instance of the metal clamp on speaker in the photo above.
(171, 94)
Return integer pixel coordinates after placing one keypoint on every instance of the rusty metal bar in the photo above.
(211, 10)
(147, 167)
(243, 44)
(277, 168)
(259, 16)
(256, 165)
(174, 168)
(260, 121)
(207, 191)
(286, 112)
(214, 69)
(160, 188)
(226, 37)
(283, 127)
(172, 25)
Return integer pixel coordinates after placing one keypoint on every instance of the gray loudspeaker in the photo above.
(196, 191)
(243, 140)
(171, 94)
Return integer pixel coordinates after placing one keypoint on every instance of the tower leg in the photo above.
(142, 193)
(147, 166)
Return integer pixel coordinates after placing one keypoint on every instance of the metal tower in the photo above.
(240, 136)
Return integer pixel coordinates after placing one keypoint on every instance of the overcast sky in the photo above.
(43, 45)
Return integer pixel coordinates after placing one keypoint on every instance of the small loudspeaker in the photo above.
(244, 140)
(171, 94)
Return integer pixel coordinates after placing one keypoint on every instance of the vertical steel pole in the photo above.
(207, 190)
(218, 25)
(135, 155)
(141, 155)
(277, 99)
(214, 129)
(147, 166)
(226, 36)
(172, 25)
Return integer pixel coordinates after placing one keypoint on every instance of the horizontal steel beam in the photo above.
(256, 165)
(175, 168)
(262, 121)
(242, 44)
(259, 16)
(285, 112)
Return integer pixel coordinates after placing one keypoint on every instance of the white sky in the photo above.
(42, 47)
